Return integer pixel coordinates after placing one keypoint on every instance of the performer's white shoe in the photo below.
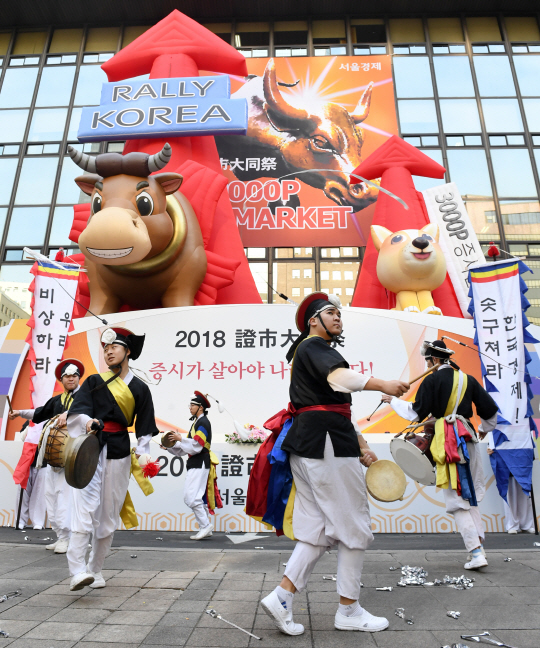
(476, 562)
(531, 530)
(99, 581)
(52, 547)
(80, 580)
(61, 546)
(205, 532)
(469, 556)
(513, 531)
(364, 622)
(282, 617)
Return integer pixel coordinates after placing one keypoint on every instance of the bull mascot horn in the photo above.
(100, 163)
(285, 116)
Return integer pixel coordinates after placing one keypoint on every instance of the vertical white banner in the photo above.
(457, 237)
(54, 289)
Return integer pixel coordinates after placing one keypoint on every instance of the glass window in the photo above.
(522, 28)
(368, 30)
(460, 116)
(74, 122)
(532, 112)
(133, 32)
(68, 192)
(502, 115)
(29, 42)
(348, 275)
(485, 28)
(413, 77)
(445, 30)
(337, 291)
(336, 275)
(55, 86)
(48, 125)
(296, 274)
(18, 88)
(420, 182)
(27, 226)
(469, 170)
(61, 226)
(308, 273)
(453, 75)
(494, 76)
(325, 275)
(328, 31)
(291, 33)
(252, 34)
(521, 220)
(88, 93)
(12, 125)
(36, 181)
(3, 214)
(417, 116)
(8, 168)
(102, 39)
(284, 282)
(66, 40)
(260, 276)
(513, 173)
(528, 74)
(406, 30)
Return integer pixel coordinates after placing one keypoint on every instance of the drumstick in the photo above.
(9, 403)
(410, 383)
(424, 374)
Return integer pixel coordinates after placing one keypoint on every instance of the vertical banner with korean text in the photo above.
(498, 307)
(311, 121)
(457, 237)
(54, 289)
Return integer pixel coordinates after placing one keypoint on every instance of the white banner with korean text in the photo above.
(457, 237)
(54, 289)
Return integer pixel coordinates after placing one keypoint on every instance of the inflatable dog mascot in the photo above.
(410, 264)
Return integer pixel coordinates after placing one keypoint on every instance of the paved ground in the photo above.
(159, 599)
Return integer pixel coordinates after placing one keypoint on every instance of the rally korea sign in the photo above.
(134, 109)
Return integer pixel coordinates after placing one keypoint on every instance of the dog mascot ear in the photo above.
(379, 234)
(432, 229)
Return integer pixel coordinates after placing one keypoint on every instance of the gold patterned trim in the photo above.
(164, 259)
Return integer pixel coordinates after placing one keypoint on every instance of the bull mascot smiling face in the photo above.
(143, 244)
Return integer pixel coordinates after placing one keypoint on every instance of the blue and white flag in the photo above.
(498, 306)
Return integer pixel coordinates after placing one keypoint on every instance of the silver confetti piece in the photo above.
(393, 568)
(3, 633)
(412, 576)
(536, 544)
(160, 539)
(259, 547)
(134, 555)
(384, 589)
(454, 615)
(400, 612)
(332, 578)
(507, 559)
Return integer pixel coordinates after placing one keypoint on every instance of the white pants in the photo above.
(349, 568)
(518, 512)
(58, 495)
(96, 510)
(194, 490)
(467, 517)
(33, 504)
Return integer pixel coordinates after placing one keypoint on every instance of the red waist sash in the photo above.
(112, 426)
(278, 420)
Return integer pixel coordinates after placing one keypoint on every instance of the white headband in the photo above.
(70, 370)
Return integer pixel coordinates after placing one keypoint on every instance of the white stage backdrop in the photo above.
(421, 511)
(237, 353)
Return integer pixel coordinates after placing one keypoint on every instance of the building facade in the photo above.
(467, 93)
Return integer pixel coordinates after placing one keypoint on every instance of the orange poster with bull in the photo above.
(311, 122)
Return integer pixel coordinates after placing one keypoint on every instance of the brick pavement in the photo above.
(159, 599)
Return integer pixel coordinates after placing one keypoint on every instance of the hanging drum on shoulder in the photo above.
(78, 456)
(412, 453)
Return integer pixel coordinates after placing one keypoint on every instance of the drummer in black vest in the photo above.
(119, 400)
(57, 491)
(439, 396)
(197, 446)
(325, 446)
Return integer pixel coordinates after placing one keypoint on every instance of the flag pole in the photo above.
(20, 507)
(534, 511)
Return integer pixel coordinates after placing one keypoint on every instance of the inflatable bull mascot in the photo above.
(143, 244)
